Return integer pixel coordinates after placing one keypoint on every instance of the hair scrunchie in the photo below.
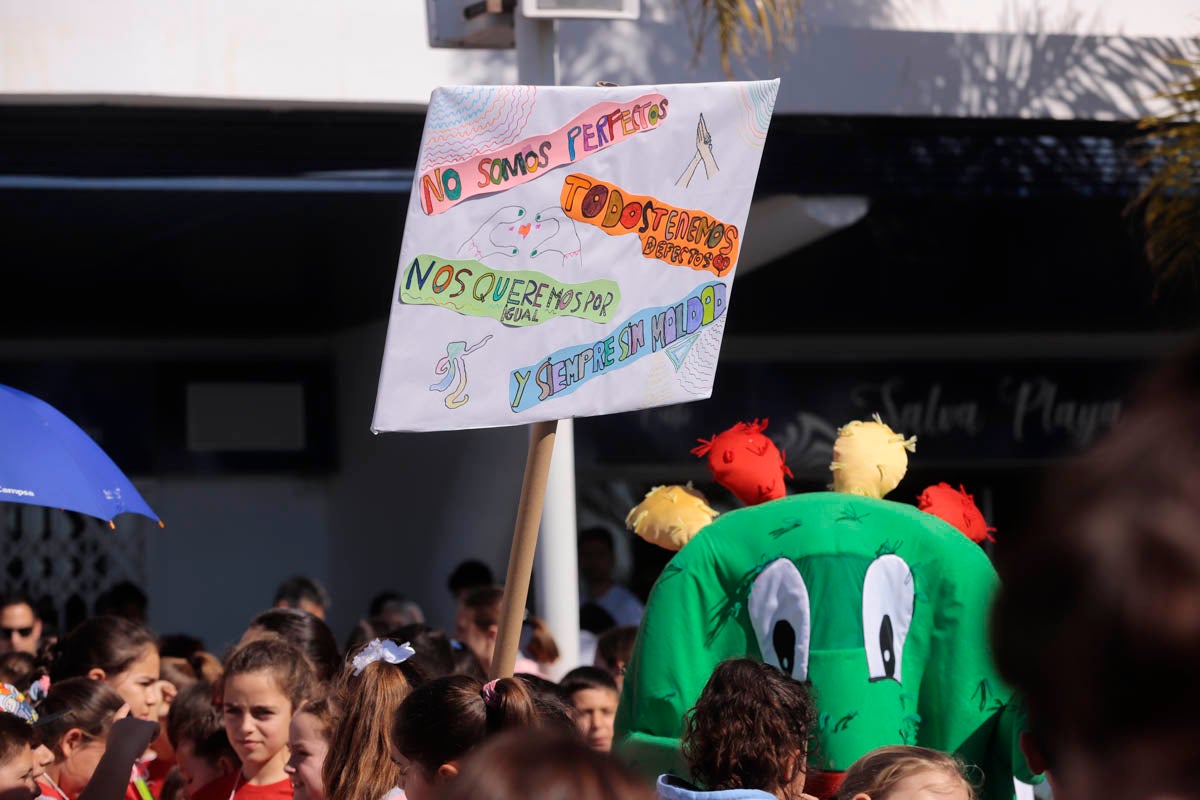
(488, 693)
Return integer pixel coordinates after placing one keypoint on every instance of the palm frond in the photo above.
(1169, 203)
(741, 25)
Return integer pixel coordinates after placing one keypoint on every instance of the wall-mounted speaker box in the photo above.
(160, 418)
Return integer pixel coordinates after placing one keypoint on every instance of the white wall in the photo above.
(1045, 58)
(340, 51)
(868, 57)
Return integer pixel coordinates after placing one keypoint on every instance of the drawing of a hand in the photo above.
(497, 236)
(703, 155)
(704, 148)
(561, 237)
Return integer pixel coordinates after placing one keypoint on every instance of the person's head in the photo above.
(176, 674)
(20, 626)
(364, 631)
(395, 610)
(614, 648)
(179, 672)
(196, 729)
(265, 681)
(179, 645)
(553, 709)
(309, 736)
(537, 642)
(1097, 620)
(17, 767)
(18, 669)
(75, 718)
(125, 599)
(174, 786)
(303, 593)
(750, 730)
(359, 765)
(594, 618)
(593, 693)
(478, 621)
(543, 765)
(466, 662)
(596, 557)
(206, 666)
(470, 574)
(118, 652)
(441, 721)
(302, 629)
(899, 772)
(43, 756)
(434, 653)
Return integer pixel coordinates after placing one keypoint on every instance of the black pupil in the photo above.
(887, 646)
(783, 637)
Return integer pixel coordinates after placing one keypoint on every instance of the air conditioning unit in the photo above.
(582, 9)
(483, 24)
(488, 24)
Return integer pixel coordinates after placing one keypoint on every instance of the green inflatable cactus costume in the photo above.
(881, 607)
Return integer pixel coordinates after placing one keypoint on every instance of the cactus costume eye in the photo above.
(880, 607)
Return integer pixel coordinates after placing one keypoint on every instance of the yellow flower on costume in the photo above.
(669, 516)
(869, 458)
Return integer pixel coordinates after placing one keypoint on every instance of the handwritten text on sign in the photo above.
(597, 128)
(674, 235)
(648, 331)
(516, 298)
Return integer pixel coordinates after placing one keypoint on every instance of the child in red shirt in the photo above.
(265, 682)
(196, 729)
(77, 715)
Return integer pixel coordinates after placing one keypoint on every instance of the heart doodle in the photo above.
(511, 233)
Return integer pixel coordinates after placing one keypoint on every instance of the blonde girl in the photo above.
(900, 772)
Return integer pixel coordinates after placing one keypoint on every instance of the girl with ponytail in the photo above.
(374, 684)
(443, 720)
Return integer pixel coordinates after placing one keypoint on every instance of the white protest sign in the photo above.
(568, 251)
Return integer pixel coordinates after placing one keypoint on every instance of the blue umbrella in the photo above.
(47, 460)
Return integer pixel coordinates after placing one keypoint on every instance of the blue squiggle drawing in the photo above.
(453, 366)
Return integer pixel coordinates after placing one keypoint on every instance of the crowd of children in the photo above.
(1097, 624)
(285, 715)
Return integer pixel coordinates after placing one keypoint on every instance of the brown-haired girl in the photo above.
(265, 681)
(77, 715)
(374, 684)
(309, 633)
(746, 737)
(441, 721)
(899, 772)
(309, 737)
(118, 652)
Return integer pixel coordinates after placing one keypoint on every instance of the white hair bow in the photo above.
(382, 650)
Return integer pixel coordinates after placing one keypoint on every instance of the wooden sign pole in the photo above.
(520, 559)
